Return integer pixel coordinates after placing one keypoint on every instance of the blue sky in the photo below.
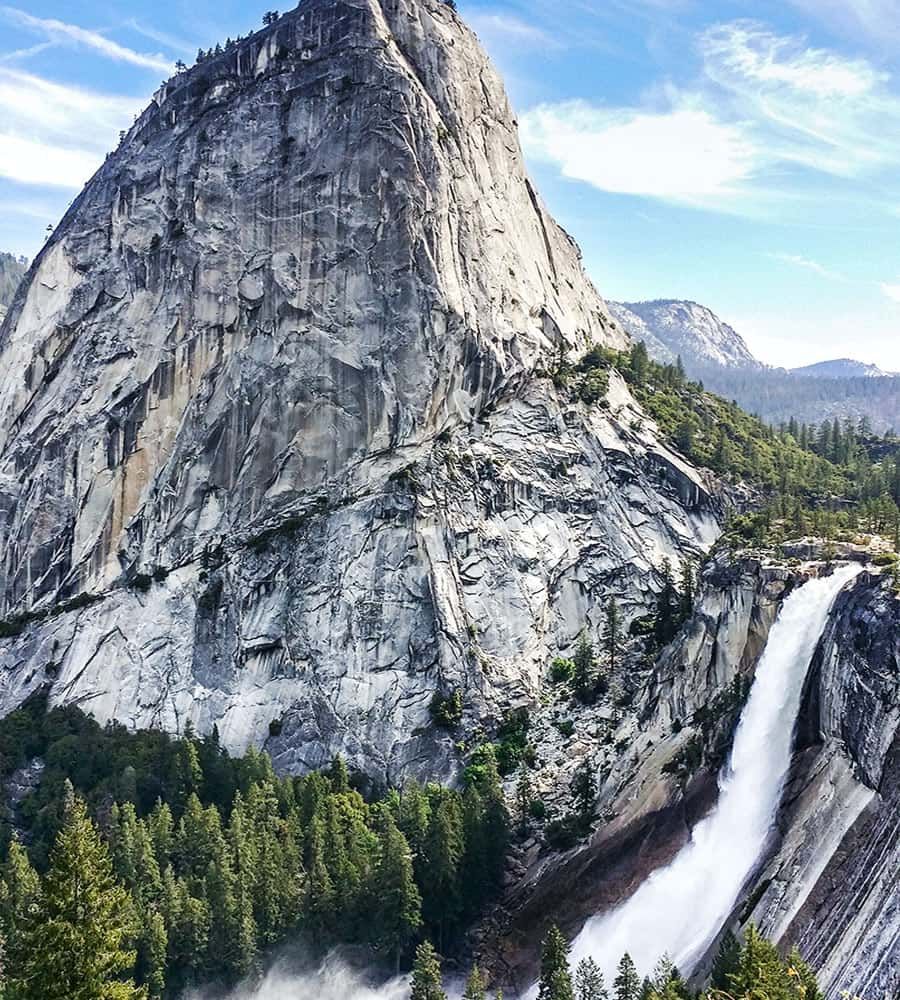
(744, 155)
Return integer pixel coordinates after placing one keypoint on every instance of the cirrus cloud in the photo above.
(769, 123)
(59, 32)
(56, 135)
(683, 154)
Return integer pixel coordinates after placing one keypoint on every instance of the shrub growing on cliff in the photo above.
(446, 710)
(561, 670)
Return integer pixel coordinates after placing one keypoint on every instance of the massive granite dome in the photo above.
(279, 451)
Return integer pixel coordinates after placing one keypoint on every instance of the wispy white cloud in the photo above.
(681, 154)
(749, 51)
(770, 121)
(31, 162)
(19, 54)
(53, 134)
(874, 20)
(509, 29)
(892, 291)
(803, 105)
(805, 264)
(62, 33)
(163, 38)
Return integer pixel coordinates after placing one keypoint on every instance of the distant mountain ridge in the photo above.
(673, 327)
(842, 368)
(717, 355)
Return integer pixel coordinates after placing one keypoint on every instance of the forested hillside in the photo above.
(197, 863)
(821, 463)
(162, 863)
(779, 395)
(713, 353)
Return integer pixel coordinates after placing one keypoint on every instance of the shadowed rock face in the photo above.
(276, 452)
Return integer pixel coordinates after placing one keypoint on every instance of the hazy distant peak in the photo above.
(841, 368)
(673, 327)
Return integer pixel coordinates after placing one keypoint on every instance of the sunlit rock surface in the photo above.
(277, 452)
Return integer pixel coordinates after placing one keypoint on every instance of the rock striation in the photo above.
(278, 448)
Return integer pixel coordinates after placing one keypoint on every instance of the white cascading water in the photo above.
(679, 910)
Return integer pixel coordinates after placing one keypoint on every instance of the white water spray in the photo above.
(334, 979)
(679, 910)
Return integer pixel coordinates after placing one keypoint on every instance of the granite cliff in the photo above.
(279, 448)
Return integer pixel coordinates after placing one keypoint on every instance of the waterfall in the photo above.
(679, 910)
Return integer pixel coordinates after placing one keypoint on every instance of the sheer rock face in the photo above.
(276, 450)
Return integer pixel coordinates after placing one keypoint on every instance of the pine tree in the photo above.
(162, 833)
(584, 788)
(665, 606)
(486, 826)
(556, 980)
(584, 677)
(75, 947)
(627, 984)
(760, 971)
(639, 362)
(319, 901)
(662, 973)
(188, 921)
(187, 775)
(20, 892)
(687, 589)
(524, 795)
(339, 775)
(398, 901)
(589, 984)
(426, 975)
(476, 986)
(444, 851)
(151, 958)
(804, 974)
